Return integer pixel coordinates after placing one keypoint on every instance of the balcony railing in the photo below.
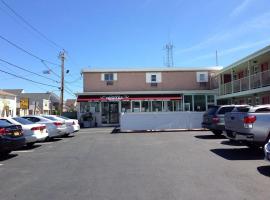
(258, 80)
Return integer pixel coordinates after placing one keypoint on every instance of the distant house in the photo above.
(7, 104)
(70, 105)
(35, 103)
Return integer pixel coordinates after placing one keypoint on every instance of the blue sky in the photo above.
(129, 33)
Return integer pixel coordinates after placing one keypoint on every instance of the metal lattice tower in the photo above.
(169, 54)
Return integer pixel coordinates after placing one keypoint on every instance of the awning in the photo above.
(127, 98)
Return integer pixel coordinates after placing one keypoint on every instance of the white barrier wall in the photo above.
(160, 121)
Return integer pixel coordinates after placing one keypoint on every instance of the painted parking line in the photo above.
(1, 164)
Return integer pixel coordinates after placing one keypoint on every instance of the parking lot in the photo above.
(150, 166)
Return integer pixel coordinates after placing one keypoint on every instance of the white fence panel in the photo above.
(160, 121)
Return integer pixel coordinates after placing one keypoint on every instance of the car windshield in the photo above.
(50, 118)
(22, 120)
(4, 122)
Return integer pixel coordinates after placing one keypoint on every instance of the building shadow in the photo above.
(231, 143)
(210, 137)
(7, 157)
(264, 170)
(239, 154)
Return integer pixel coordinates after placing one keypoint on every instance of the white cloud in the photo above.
(241, 8)
(232, 50)
(261, 22)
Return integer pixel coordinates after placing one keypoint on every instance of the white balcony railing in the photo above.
(258, 80)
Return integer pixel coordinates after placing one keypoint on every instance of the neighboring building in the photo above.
(109, 92)
(35, 103)
(70, 105)
(7, 104)
(42, 103)
(246, 81)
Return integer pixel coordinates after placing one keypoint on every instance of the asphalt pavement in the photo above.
(97, 165)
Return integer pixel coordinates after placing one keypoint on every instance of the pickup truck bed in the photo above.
(252, 126)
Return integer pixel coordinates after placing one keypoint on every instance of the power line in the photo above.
(50, 69)
(28, 79)
(27, 52)
(11, 64)
(31, 26)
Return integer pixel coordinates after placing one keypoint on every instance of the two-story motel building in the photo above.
(246, 81)
(109, 92)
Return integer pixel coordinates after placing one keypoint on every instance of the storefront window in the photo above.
(125, 106)
(188, 103)
(146, 105)
(210, 100)
(135, 106)
(156, 106)
(167, 106)
(89, 107)
(177, 106)
(199, 103)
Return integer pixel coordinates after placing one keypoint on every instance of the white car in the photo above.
(58, 120)
(32, 132)
(55, 128)
(72, 124)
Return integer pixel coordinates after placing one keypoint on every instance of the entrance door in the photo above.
(110, 112)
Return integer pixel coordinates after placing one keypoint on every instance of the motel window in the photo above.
(125, 106)
(108, 77)
(156, 106)
(136, 106)
(146, 106)
(199, 103)
(94, 107)
(154, 78)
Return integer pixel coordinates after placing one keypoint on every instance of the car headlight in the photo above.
(267, 147)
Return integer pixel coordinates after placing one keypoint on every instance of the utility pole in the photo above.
(62, 57)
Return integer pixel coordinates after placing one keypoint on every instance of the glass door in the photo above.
(110, 112)
(114, 113)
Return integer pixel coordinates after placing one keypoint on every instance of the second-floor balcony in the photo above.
(257, 80)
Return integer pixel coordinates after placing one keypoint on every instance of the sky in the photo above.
(125, 34)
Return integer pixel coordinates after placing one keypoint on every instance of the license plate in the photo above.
(16, 133)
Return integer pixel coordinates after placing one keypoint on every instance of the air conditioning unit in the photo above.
(153, 84)
(109, 82)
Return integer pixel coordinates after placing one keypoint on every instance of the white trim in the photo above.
(244, 93)
(151, 92)
(156, 69)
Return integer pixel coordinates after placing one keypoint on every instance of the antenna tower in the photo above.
(169, 54)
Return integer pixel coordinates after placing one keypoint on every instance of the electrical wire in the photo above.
(11, 64)
(27, 52)
(31, 26)
(28, 79)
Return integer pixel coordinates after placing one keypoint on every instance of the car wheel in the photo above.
(217, 132)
